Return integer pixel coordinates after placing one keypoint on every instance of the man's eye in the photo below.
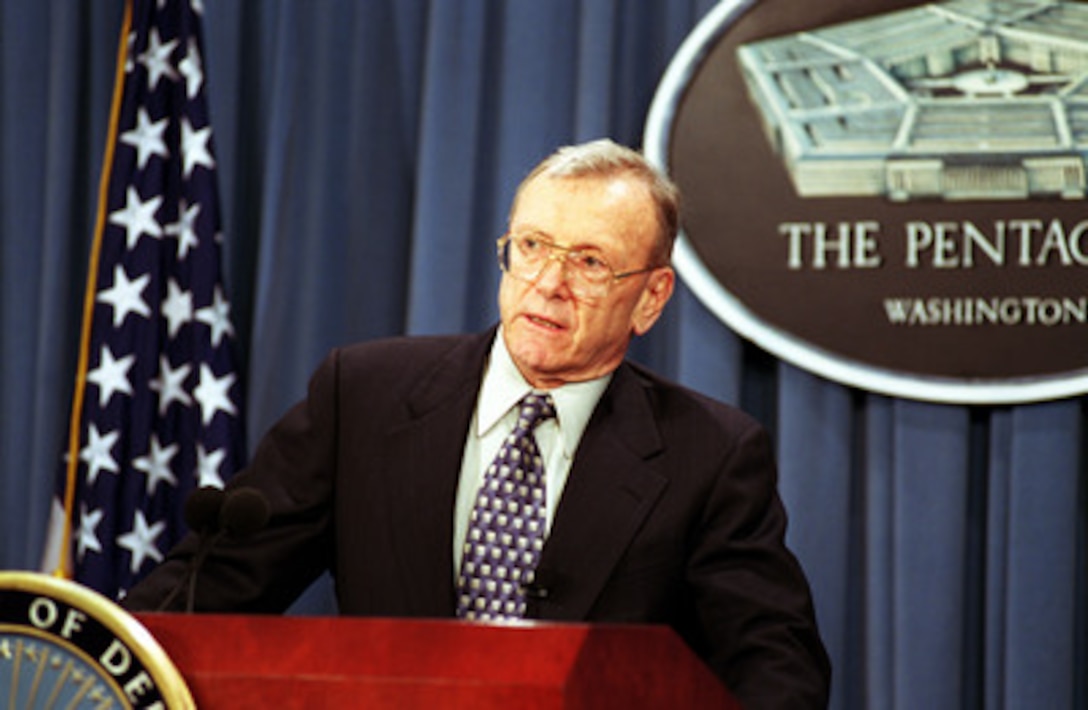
(530, 244)
(591, 262)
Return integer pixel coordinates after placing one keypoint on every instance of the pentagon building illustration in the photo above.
(960, 100)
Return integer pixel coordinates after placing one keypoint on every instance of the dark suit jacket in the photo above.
(670, 515)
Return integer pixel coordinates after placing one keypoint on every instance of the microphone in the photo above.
(212, 513)
(244, 512)
(201, 513)
(202, 508)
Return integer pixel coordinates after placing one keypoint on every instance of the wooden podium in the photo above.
(231, 661)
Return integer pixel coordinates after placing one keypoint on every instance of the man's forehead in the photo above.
(606, 211)
(604, 197)
(582, 243)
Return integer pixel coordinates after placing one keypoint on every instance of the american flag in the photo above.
(157, 405)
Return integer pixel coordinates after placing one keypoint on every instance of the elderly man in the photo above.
(530, 471)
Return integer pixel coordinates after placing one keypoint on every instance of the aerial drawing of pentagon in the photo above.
(960, 100)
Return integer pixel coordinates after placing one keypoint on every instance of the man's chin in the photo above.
(538, 365)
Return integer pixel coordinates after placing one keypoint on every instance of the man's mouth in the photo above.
(543, 322)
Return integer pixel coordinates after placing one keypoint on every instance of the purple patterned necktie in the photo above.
(506, 528)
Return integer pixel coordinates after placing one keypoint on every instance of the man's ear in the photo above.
(652, 302)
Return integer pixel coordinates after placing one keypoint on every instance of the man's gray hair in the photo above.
(605, 158)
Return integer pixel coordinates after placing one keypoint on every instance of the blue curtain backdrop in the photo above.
(368, 151)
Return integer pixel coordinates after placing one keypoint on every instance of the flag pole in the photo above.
(63, 567)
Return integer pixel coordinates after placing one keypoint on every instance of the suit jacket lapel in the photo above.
(426, 447)
(610, 491)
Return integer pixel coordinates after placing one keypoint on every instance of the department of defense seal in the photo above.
(63, 645)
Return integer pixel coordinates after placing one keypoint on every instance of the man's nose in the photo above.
(550, 279)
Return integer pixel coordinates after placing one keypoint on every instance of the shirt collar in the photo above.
(504, 386)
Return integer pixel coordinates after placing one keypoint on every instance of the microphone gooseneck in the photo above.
(244, 512)
(212, 513)
(201, 513)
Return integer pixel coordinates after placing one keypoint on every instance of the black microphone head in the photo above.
(245, 511)
(202, 509)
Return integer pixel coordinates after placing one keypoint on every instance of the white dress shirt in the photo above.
(502, 388)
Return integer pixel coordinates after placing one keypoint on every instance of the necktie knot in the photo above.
(535, 408)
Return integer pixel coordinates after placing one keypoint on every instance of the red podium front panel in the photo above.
(234, 661)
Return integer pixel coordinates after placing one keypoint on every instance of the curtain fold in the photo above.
(460, 65)
(368, 155)
(929, 491)
(1041, 513)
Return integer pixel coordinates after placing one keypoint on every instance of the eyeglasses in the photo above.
(525, 256)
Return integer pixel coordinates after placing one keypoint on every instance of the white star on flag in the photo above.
(156, 464)
(157, 59)
(88, 538)
(212, 394)
(125, 296)
(111, 375)
(97, 454)
(170, 384)
(207, 466)
(140, 541)
(184, 229)
(146, 138)
(194, 147)
(138, 217)
(177, 307)
(192, 70)
(217, 317)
